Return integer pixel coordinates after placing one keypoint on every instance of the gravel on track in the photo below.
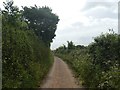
(60, 76)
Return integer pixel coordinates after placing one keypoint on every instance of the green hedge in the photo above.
(25, 59)
(97, 65)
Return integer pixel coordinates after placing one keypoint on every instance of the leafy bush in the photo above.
(98, 64)
(25, 59)
(104, 55)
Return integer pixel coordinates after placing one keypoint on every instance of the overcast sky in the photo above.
(80, 20)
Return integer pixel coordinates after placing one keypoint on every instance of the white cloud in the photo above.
(84, 34)
(80, 20)
(101, 9)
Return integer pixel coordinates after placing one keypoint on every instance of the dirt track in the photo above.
(60, 76)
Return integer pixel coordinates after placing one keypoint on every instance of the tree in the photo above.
(11, 14)
(70, 45)
(42, 21)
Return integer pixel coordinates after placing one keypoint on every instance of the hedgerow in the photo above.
(96, 65)
(26, 59)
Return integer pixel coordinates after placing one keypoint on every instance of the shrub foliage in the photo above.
(25, 58)
(96, 65)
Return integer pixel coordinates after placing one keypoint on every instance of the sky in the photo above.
(80, 20)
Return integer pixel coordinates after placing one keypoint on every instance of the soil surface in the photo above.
(60, 76)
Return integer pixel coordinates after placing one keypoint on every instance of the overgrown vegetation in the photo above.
(25, 57)
(96, 65)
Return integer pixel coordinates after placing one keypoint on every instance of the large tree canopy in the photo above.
(42, 21)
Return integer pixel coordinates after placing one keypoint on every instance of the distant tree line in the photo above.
(70, 46)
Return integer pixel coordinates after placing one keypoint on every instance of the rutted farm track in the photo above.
(60, 76)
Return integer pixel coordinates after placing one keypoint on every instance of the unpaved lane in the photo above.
(60, 76)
